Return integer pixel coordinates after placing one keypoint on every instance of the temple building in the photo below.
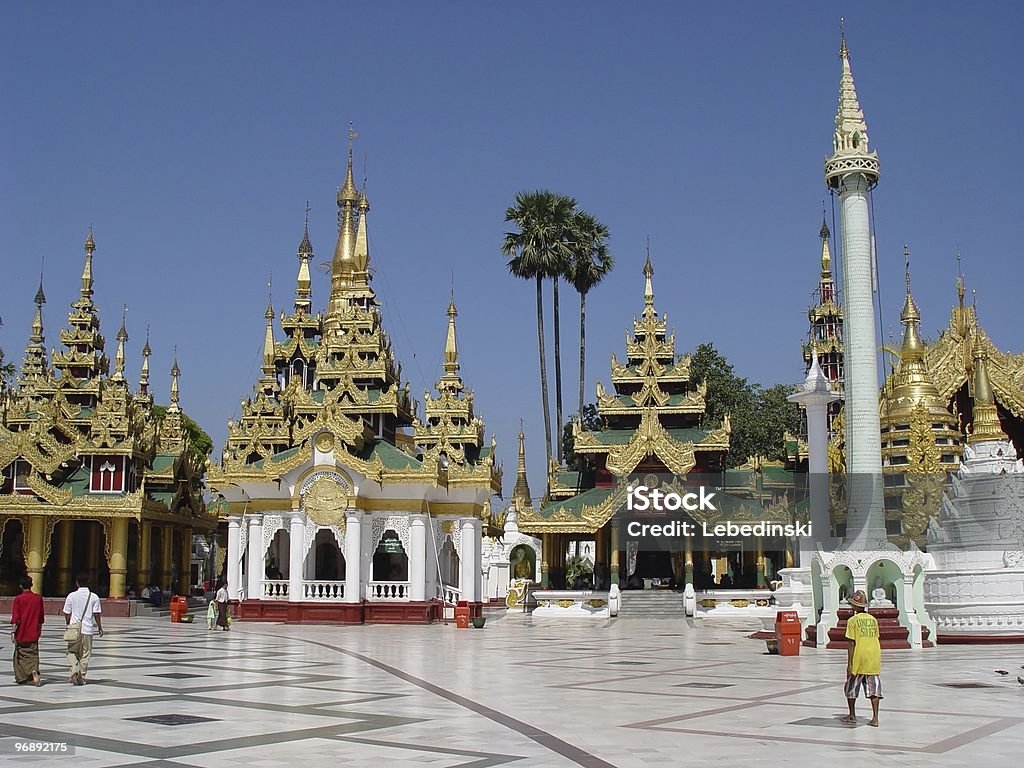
(650, 431)
(826, 327)
(926, 409)
(337, 503)
(96, 479)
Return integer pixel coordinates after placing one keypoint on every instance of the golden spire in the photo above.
(913, 347)
(122, 337)
(648, 285)
(144, 373)
(37, 320)
(34, 364)
(959, 280)
(348, 192)
(90, 247)
(985, 424)
(268, 343)
(521, 492)
(175, 374)
(826, 254)
(303, 288)
(361, 255)
(451, 381)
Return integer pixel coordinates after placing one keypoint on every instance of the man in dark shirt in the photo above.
(27, 621)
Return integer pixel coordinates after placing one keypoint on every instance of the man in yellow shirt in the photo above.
(864, 658)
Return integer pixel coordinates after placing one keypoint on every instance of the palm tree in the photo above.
(539, 250)
(591, 261)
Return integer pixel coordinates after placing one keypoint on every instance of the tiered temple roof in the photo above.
(75, 442)
(337, 373)
(650, 423)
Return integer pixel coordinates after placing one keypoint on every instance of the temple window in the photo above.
(107, 475)
(22, 469)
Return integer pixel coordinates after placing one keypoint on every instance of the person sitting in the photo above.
(156, 597)
(726, 581)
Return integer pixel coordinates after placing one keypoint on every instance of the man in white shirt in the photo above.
(82, 607)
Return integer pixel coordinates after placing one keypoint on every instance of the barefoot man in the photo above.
(864, 658)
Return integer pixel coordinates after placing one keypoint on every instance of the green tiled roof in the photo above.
(622, 436)
(592, 498)
(163, 461)
(392, 457)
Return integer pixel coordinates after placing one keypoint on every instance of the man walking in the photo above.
(82, 607)
(27, 624)
(864, 659)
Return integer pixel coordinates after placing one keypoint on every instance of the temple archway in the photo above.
(329, 561)
(390, 561)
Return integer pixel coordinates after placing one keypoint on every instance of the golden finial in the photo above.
(648, 274)
(348, 192)
(843, 52)
(175, 373)
(90, 244)
(959, 278)
(90, 247)
(451, 350)
(910, 312)
(144, 373)
(122, 337)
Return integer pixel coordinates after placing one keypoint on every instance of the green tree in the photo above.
(200, 444)
(591, 262)
(539, 251)
(760, 417)
(591, 422)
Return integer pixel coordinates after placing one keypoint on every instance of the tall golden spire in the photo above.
(521, 491)
(175, 394)
(826, 254)
(122, 337)
(913, 347)
(361, 255)
(303, 284)
(648, 284)
(268, 344)
(34, 364)
(90, 247)
(985, 423)
(451, 381)
(144, 373)
(343, 261)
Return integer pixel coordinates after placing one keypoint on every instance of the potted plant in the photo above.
(478, 622)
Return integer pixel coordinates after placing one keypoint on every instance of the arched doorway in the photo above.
(329, 561)
(390, 562)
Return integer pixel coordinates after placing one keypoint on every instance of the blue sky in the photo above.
(191, 135)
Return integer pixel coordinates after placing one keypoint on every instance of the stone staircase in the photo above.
(145, 610)
(891, 634)
(651, 604)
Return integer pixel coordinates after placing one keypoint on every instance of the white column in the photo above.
(295, 557)
(234, 569)
(469, 557)
(866, 517)
(254, 588)
(353, 556)
(417, 558)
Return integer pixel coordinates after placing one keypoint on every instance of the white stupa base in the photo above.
(837, 575)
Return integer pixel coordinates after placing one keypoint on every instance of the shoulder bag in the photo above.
(73, 631)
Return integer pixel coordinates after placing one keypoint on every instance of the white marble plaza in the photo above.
(521, 692)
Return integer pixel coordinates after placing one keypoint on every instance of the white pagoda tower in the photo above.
(865, 559)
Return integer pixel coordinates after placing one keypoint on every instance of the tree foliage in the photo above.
(760, 417)
(592, 422)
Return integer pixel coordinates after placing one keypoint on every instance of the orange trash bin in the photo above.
(462, 615)
(787, 633)
(179, 606)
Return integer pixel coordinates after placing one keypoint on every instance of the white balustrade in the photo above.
(448, 593)
(275, 590)
(388, 590)
(323, 590)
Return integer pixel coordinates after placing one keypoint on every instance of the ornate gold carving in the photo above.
(325, 502)
(325, 442)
